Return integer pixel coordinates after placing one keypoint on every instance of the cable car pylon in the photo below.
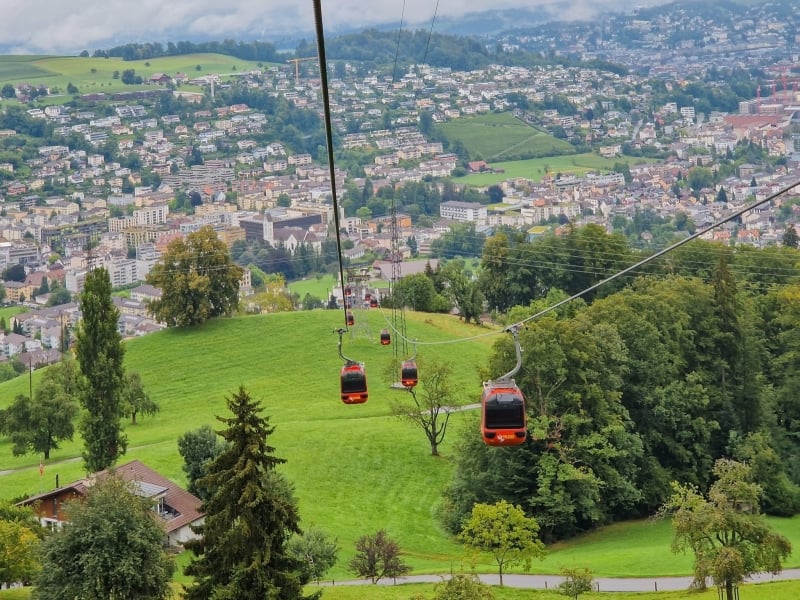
(353, 378)
(503, 416)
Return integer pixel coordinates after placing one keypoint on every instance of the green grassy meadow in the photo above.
(356, 469)
(6, 312)
(319, 287)
(537, 168)
(497, 135)
(91, 75)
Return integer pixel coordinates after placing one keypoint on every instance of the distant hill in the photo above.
(285, 31)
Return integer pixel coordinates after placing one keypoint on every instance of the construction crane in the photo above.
(297, 62)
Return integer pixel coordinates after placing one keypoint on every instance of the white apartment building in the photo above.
(462, 211)
(151, 215)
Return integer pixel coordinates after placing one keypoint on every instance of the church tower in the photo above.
(269, 234)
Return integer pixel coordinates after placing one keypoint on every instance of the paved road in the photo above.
(604, 584)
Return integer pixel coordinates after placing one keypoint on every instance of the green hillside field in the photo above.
(92, 75)
(496, 136)
(536, 168)
(356, 469)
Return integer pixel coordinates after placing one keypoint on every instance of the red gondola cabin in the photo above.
(386, 337)
(354, 383)
(408, 374)
(373, 302)
(350, 319)
(503, 418)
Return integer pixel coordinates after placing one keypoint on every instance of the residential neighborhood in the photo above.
(127, 177)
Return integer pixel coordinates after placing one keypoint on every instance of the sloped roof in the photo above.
(182, 502)
(185, 506)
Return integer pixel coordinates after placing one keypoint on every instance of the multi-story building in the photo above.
(456, 210)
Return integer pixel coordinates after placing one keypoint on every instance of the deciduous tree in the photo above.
(726, 533)
(199, 448)
(430, 400)
(135, 400)
(464, 293)
(505, 531)
(98, 346)
(37, 425)
(241, 552)
(378, 556)
(111, 547)
(576, 582)
(463, 587)
(415, 292)
(198, 280)
(19, 553)
(315, 550)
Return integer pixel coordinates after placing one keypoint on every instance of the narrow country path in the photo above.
(73, 459)
(603, 584)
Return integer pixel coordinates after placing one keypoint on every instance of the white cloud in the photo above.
(70, 26)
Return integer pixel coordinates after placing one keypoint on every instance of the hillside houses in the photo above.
(227, 171)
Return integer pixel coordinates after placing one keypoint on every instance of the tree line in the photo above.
(371, 48)
(253, 50)
(650, 381)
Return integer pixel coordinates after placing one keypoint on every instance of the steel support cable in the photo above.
(430, 33)
(623, 272)
(397, 45)
(661, 253)
(326, 103)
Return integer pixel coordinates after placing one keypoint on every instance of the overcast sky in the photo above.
(69, 26)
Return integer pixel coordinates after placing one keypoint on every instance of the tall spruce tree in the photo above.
(100, 352)
(250, 516)
(738, 365)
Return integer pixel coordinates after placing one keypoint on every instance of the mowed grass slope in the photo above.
(355, 468)
(92, 75)
(536, 168)
(498, 135)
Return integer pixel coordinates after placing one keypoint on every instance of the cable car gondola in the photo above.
(353, 378)
(373, 302)
(386, 337)
(350, 319)
(503, 416)
(354, 383)
(503, 419)
(408, 373)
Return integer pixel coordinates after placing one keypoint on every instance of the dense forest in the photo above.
(648, 382)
